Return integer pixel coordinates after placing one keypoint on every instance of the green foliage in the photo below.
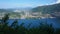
(5, 18)
(14, 28)
(14, 24)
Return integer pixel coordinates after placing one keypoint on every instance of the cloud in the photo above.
(58, 1)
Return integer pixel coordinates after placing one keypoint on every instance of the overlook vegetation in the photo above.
(14, 28)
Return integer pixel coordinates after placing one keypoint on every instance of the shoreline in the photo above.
(31, 18)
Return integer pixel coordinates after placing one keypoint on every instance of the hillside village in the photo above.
(17, 14)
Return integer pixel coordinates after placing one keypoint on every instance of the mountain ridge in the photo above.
(47, 8)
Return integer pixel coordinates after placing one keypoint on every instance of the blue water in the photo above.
(36, 22)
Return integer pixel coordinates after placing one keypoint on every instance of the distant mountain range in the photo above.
(13, 9)
(43, 9)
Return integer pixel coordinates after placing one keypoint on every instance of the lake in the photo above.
(36, 22)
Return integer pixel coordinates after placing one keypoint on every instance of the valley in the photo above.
(48, 11)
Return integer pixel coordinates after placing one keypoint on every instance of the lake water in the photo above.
(36, 22)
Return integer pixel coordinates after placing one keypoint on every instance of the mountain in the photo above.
(47, 9)
(6, 10)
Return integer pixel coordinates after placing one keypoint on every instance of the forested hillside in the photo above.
(47, 9)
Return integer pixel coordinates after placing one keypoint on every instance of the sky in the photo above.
(25, 3)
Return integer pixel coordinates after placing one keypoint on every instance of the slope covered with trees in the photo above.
(47, 9)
